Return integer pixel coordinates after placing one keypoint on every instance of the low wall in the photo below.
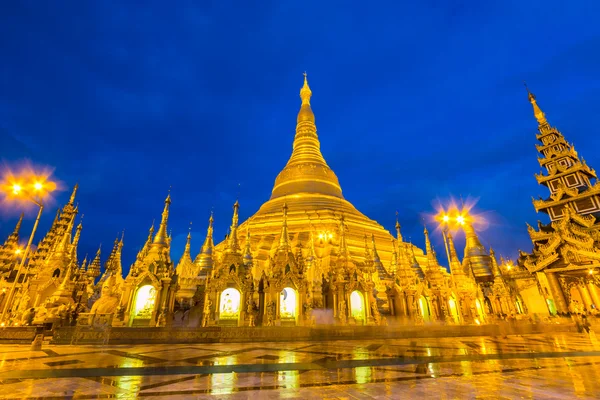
(17, 334)
(121, 335)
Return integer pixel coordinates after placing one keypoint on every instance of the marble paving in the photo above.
(557, 366)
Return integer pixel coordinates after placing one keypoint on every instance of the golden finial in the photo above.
(305, 92)
(74, 193)
(168, 199)
(537, 111)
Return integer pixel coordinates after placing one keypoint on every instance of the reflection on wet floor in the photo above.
(534, 366)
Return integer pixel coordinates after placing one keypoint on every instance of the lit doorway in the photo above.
(145, 300)
(357, 307)
(288, 304)
(229, 307)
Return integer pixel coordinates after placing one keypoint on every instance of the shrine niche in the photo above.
(288, 303)
(357, 307)
(229, 305)
(144, 305)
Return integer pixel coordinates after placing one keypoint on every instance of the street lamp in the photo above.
(445, 218)
(34, 193)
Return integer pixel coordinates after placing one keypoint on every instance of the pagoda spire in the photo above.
(495, 268)
(398, 234)
(73, 194)
(18, 226)
(455, 266)
(475, 254)
(204, 258)
(233, 245)
(343, 247)
(208, 241)
(187, 256)
(93, 269)
(284, 239)
(76, 239)
(248, 248)
(395, 260)
(415, 264)
(432, 260)
(376, 258)
(161, 237)
(306, 170)
(63, 245)
(537, 111)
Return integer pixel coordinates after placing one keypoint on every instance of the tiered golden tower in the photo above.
(566, 252)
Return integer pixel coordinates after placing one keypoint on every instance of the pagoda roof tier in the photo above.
(556, 171)
(564, 197)
(557, 154)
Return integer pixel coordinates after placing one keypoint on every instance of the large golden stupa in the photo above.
(315, 204)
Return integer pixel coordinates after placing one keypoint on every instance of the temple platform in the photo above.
(121, 335)
(539, 366)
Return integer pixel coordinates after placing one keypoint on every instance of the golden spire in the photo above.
(415, 264)
(475, 253)
(537, 111)
(94, 268)
(63, 245)
(455, 266)
(343, 246)
(18, 226)
(161, 236)
(376, 258)
(204, 259)
(207, 247)
(398, 234)
(495, 269)
(394, 263)
(305, 92)
(306, 170)
(248, 248)
(284, 239)
(186, 256)
(233, 245)
(73, 194)
(429, 250)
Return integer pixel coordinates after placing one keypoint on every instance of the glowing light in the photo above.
(446, 218)
(591, 271)
(18, 251)
(230, 304)
(460, 219)
(477, 321)
(357, 305)
(144, 301)
(2, 324)
(27, 184)
(287, 301)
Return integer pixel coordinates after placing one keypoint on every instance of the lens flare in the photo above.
(24, 184)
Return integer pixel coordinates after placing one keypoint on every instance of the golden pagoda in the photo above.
(313, 195)
(566, 252)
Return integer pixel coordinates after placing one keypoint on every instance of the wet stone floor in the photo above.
(557, 366)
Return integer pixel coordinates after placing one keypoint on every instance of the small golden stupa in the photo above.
(315, 205)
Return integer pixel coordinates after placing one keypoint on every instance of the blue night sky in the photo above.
(414, 101)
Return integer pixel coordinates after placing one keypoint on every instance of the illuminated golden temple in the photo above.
(309, 257)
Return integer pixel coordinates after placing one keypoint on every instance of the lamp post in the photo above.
(445, 221)
(36, 198)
